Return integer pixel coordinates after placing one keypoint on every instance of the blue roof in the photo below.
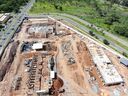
(124, 61)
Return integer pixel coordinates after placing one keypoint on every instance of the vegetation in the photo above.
(108, 38)
(124, 54)
(1, 26)
(105, 42)
(102, 13)
(120, 2)
(91, 33)
(11, 5)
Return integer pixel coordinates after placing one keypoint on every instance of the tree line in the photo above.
(120, 2)
(11, 5)
(112, 17)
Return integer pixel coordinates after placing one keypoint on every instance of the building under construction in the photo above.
(48, 58)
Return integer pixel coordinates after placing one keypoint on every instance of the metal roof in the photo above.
(124, 61)
(37, 46)
(3, 18)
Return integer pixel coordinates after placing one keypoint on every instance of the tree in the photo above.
(96, 37)
(61, 9)
(91, 33)
(120, 2)
(11, 5)
(121, 29)
(106, 42)
(56, 6)
(1, 26)
(125, 3)
(111, 18)
(123, 53)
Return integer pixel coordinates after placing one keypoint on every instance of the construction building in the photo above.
(36, 46)
(49, 58)
(105, 67)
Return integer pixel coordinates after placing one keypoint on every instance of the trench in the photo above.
(6, 66)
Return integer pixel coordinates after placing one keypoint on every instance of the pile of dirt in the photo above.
(57, 84)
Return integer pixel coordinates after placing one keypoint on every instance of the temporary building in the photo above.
(124, 61)
(36, 46)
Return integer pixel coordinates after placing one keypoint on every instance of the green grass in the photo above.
(42, 7)
(83, 11)
(84, 33)
(100, 33)
(80, 9)
(46, 7)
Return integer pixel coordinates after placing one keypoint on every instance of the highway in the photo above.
(115, 37)
(17, 19)
(83, 28)
(91, 39)
(69, 22)
(12, 27)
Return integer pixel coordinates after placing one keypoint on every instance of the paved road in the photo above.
(115, 37)
(19, 17)
(91, 39)
(11, 29)
(83, 28)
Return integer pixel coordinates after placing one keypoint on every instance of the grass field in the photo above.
(100, 33)
(80, 9)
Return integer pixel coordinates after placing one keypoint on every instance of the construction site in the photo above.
(48, 58)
